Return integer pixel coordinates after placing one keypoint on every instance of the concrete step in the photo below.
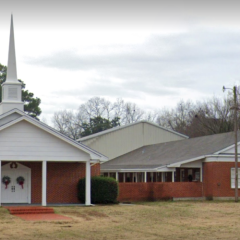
(30, 210)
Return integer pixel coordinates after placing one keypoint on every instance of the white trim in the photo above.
(15, 110)
(201, 174)
(130, 170)
(225, 149)
(178, 164)
(125, 126)
(162, 169)
(1, 180)
(220, 158)
(162, 177)
(30, 187)
(165, 169)
(94, 155)
(44, 183)
(13, 173)
(88, 184)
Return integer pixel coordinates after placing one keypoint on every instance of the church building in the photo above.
(39, 165)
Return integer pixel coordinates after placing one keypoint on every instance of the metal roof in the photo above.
(163, 154)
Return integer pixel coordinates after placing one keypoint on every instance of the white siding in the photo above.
(9, 118)
(153, 135)
(24, 141)
(231, 150)
(124, 140)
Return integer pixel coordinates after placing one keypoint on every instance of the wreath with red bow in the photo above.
(20, 181)
(6, 180)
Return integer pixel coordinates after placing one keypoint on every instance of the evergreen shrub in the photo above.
(103, 190)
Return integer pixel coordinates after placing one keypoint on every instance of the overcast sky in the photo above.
(153, 53)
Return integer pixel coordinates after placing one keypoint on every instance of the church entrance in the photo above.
(16, 183)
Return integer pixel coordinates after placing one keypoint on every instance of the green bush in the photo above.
(103, 190)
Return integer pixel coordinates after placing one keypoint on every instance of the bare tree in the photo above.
(202, 118)
(131, 113)
(213, 116)
(193, 119)
(96, 107)
(68, 123)
(177, 118)
(73, 125)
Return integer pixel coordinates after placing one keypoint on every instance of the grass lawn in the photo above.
(142, 221)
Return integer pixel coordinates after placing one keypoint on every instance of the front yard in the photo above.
(154, 220)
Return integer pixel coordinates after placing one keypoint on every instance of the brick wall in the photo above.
(217, 179)
(216, 183)
(62, 179)
(158, 191)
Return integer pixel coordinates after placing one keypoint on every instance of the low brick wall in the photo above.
(156, 191)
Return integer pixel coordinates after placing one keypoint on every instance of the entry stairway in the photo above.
(29, 210)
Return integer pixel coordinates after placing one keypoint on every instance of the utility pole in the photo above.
(235, 107)
(236, 147)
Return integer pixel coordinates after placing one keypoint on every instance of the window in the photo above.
(197, 176)
(233, 178)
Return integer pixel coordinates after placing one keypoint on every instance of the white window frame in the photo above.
(232, 182)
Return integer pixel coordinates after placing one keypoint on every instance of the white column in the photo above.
(145, 176)
(162, 175)
(44, 183)
(200, 174)
(124, 177)
(0, 178)
(172, 176)
(88, 184)
(116, 176)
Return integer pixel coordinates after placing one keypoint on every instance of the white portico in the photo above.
(49, 162)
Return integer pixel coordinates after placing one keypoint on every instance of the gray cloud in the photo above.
(107, 14)
(199, 60)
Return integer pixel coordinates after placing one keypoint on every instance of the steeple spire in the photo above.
(11, 88)
(12, 68)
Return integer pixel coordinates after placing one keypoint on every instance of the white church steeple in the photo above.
(11, 88)
(12, 67)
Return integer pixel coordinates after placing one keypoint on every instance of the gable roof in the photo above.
(24, 117)
(125, 126)
(165, 154)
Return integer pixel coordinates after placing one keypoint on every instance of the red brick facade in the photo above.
(216, 183)
(62, 179)
(217, 179)
(158, 191)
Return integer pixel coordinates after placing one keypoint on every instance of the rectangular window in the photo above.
(197, 176)
(233, 177)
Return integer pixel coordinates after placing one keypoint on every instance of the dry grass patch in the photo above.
(157, 220)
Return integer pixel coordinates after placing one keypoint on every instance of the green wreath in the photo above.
(6, 180)
(20, 180)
